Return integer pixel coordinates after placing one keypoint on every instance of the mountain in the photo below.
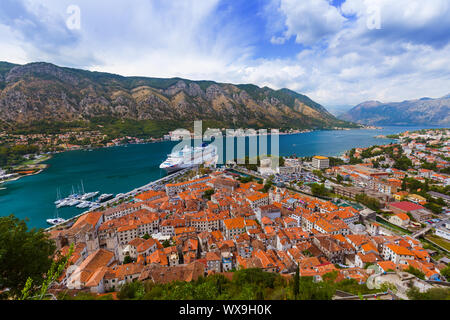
(43, 91)
(424, 111)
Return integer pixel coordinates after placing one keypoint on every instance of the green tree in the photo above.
(433, 207)
(372, 203)
(166, 243)
(24, 254)
(419, 274)
(446, 273)
(52, 276)
(319, 190)
(431, 294)
(132, 291)
(402, 163)
(208, 193)
(296, 285)
(267, 187)
(127, 260)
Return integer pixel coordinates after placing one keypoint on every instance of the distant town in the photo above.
(23, 154)
(377, 216)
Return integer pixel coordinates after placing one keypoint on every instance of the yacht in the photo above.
(62, 203)
(73, 202)
(84, 204)
(58, 197)
(95, 206)
(104, 197)
(89, 195)
(55, 221)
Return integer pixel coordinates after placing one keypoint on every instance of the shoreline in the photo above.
(124, 196)
(124, 145)
(146, 187)
(39, 162)
(159, 140)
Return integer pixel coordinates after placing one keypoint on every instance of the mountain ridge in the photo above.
(44, 91)
(423, 111)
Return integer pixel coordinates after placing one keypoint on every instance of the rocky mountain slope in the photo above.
(43, 91)
(425, 111)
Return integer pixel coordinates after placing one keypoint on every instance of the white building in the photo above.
(397, 254)
(320, 162)
(444, 232)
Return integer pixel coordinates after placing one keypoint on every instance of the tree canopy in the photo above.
(24, 254)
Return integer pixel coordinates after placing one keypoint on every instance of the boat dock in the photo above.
(118, 197)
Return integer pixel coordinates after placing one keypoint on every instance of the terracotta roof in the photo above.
(89, 266)
(234, 223)
(387, 265)
(257, 196)
(399, 250)
(402, 216)
(159, 274)
(406, 206)
(212, 256)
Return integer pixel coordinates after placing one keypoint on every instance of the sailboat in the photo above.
(58, 197)
(89, 195)
(56, 220)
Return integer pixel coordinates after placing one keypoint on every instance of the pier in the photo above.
(132, 193)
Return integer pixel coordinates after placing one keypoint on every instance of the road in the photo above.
(434, 225)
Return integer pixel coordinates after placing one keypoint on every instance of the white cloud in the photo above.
(409, 57)
(310, 21)
(277, 40)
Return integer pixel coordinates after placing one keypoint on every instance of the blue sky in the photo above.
(338, 52)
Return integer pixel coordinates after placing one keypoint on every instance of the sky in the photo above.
(338, 52)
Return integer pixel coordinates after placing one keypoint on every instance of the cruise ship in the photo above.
(188, 157)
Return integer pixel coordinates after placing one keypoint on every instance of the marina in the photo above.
(155, 185)
(79, 200)
(116, 170)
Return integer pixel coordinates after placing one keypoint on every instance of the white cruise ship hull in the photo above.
(188, 158)
(176, 167)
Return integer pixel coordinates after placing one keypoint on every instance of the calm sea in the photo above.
(121, 169)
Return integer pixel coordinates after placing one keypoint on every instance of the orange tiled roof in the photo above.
(234, 223)
(400, 250)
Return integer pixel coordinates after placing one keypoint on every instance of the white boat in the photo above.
(55, 221)
(188, 157)
(89, 195)
(105, 197)
(58, 197)
(84, 204)
(73, 202)
(63, 203)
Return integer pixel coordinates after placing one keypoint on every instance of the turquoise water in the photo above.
(121, 169)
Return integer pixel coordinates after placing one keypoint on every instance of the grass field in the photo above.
(36, 161)
(440, 241)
